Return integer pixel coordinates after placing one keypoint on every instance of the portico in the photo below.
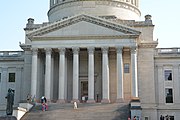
(98, 81)
(89, 64)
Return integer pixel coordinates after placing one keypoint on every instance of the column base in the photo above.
(61, 101)
(120, 100)
(75, 100)
(91, 101)
(135, 99)
(105, 101)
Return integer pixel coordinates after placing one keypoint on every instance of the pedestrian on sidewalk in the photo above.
(44, 103)
(75, 105)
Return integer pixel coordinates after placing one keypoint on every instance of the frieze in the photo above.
(76, 19)
(76, 3)
(39, 38)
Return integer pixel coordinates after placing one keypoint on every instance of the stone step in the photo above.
(95, 111)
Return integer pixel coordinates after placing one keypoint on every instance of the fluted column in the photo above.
(75, 74)
(134, 73)
(61, 75)
(48, 74)
(120, 91)
(105, 76)
(91, 75)
(34, 72)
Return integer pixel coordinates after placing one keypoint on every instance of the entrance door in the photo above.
(84, 90)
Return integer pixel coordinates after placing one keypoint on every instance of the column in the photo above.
(34, 72)
(61, 75)
(105, 76)
(91, 75)
(48, 74)
(51, 3)
(75, 74)
(134, 86)
(52, 76)
(120, 92)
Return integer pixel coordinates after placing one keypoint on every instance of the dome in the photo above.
(121, 9)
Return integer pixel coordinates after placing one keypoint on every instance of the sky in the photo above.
(14, 15)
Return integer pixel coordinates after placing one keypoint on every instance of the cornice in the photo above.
(91, 19)
(152, 44)
(39, 38)
(25, 47)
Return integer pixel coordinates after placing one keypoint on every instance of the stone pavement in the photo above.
(97, 111)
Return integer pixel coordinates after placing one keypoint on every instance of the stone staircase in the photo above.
(97, 111)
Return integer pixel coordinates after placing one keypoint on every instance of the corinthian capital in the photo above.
(62, 50)
(75, 50)
(119, 49)
(48, 51)
(91, 50)
(34, 51)
(105, 49)
(133, 50)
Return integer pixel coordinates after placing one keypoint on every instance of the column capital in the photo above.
(119, 49)
(105, 49)
(90, 50)
(133, 50)
(48, 50)
(62, 50)
(34, 51)
(75, 50)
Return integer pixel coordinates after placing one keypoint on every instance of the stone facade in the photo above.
(94, 56)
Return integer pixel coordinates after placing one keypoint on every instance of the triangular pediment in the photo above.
(83, 25)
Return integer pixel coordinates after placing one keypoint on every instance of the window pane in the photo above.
(169, 95)
(11, 77)
(168, 74)
(126, 68)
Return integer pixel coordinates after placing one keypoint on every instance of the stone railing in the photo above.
(164, 51)
(10, 53)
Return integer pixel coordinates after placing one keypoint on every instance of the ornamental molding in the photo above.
(87, 18)
(76, 3)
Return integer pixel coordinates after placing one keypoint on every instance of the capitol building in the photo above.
(94, 51)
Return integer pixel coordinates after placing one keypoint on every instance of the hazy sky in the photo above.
(14, 15)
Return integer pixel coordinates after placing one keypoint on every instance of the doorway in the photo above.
(84, 91)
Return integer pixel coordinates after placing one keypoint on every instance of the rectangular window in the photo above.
(11, 77)
(169, 95)
(168, 75)
(0, 77)
(126, 68)
(146, 118)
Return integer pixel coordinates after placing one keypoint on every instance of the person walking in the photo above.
(44, 103)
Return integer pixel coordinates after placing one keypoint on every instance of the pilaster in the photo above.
(134, 73)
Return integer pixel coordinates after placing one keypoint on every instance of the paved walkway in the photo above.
(84, 112)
